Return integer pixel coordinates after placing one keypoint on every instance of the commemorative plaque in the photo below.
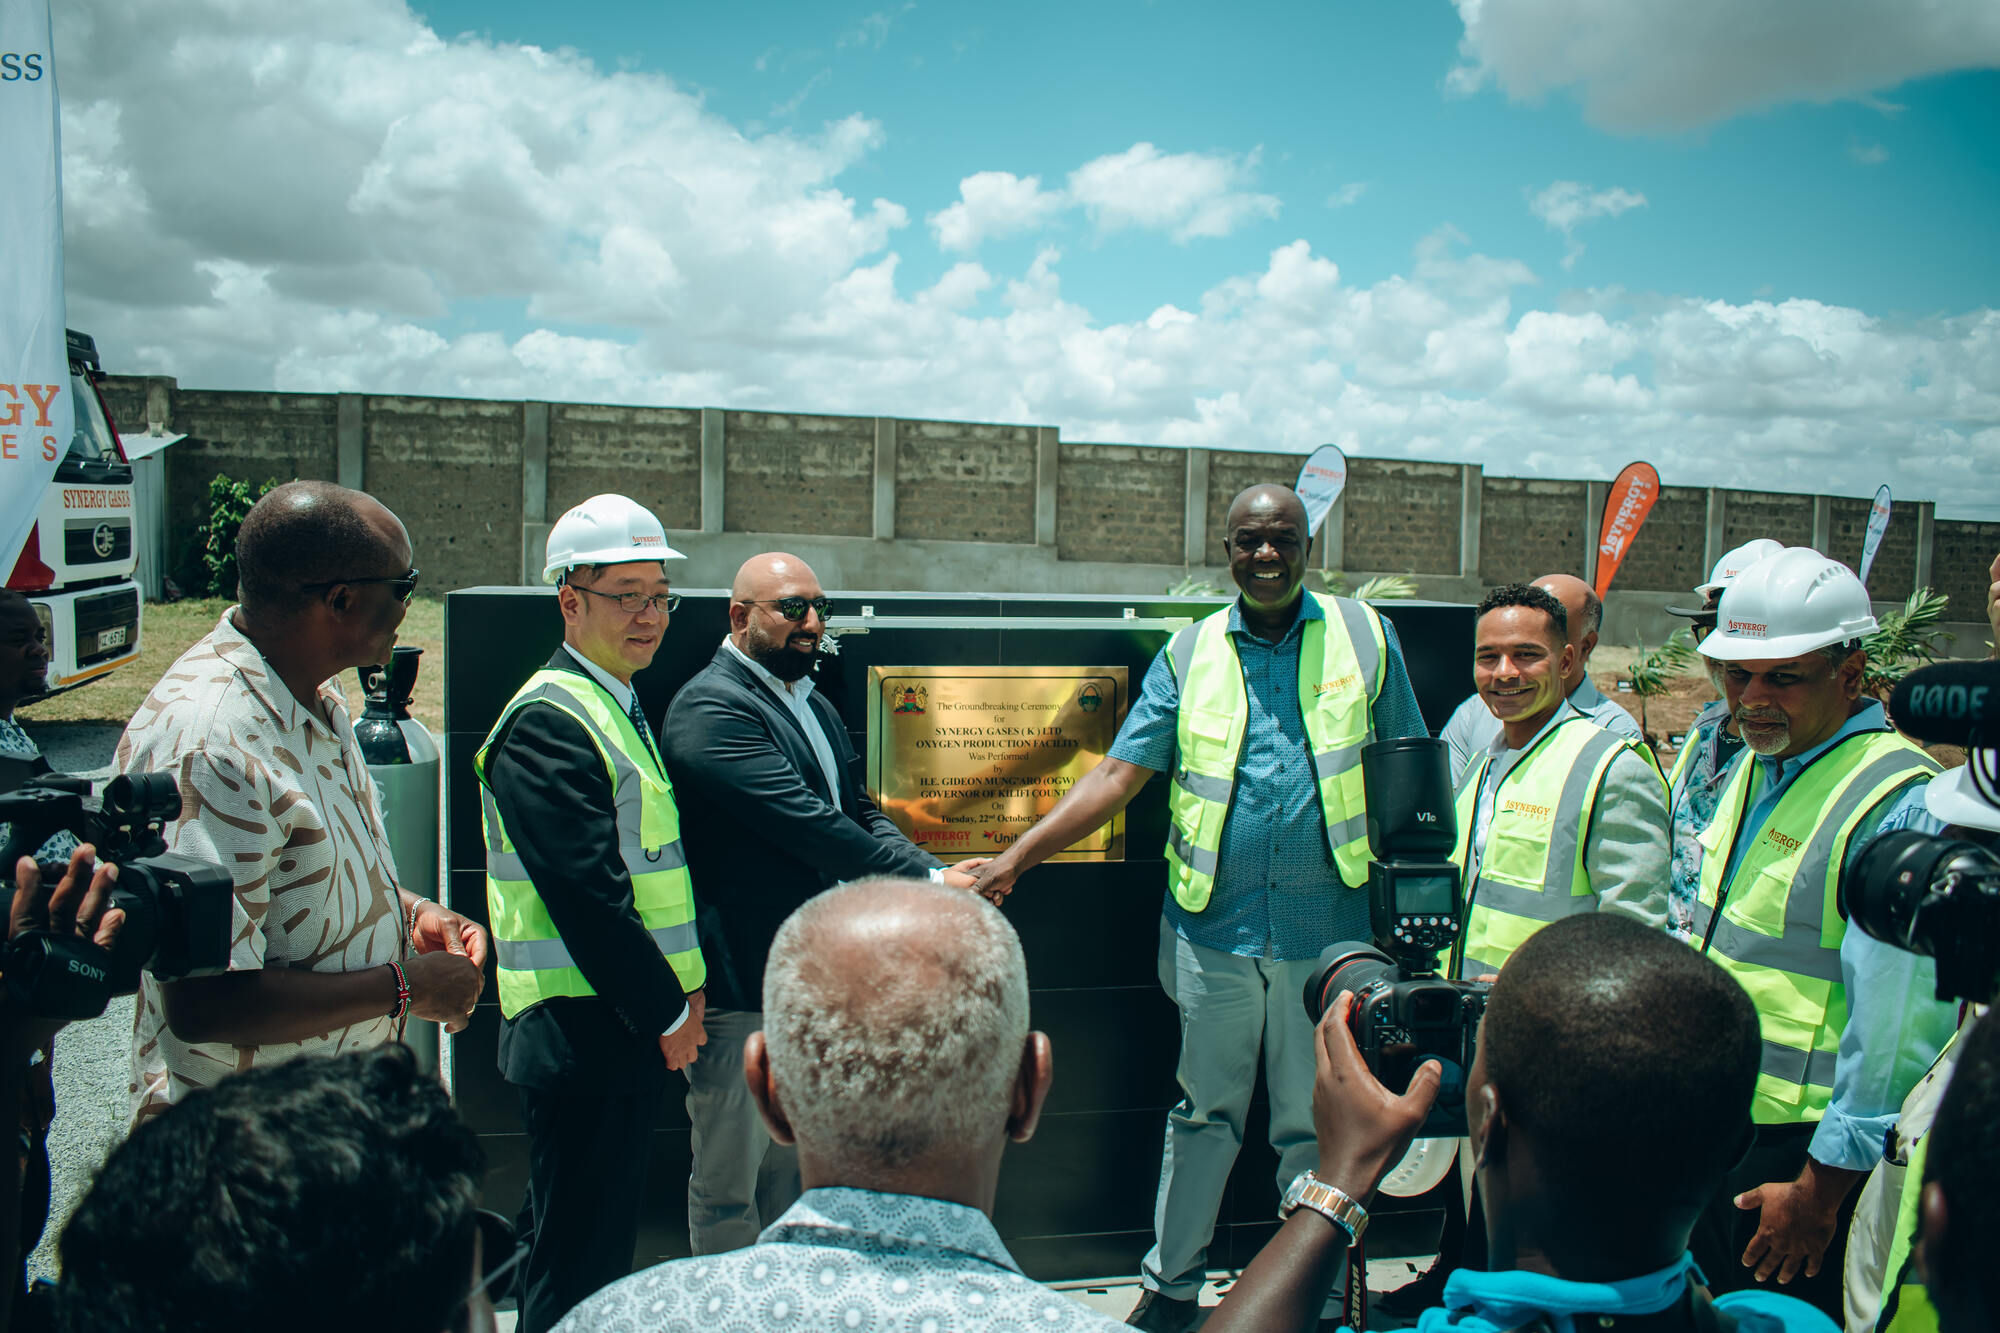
(966, 759)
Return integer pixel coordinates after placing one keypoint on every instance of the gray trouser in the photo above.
(1230, 1006)
(741, 1179)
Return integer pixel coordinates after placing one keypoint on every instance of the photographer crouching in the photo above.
(1610, 1094)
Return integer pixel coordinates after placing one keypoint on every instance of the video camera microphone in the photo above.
(1950, 703)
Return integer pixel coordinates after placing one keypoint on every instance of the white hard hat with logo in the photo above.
(1786, 605)
(605, 530)
(1733, 563)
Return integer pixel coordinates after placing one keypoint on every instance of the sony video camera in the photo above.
(1940, 896)
(177, 909)
(1404, 1013)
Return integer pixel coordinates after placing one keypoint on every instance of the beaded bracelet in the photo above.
(402, 1005)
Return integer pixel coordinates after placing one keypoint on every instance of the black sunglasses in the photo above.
(402, 588)
(793, 608)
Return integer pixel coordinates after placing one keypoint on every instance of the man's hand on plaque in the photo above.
(965, 875)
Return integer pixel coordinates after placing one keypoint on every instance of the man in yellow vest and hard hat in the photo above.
(1695, 780)
(1849, 1023)
(1259, 712)
(1556, 816)
(593, 917)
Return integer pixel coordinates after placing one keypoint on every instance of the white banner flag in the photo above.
(1878, 523)
(1321, 481)
(36, 416)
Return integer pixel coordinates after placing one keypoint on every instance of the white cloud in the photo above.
(469, 218)
(1867, 154)
(1653, 65)
(873, 31)
(995, 204)
(1567, 205)
(1185, 195)
(1347, 194)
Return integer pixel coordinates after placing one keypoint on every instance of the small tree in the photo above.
(229, 502)
(1653, 674)
(1908, 638)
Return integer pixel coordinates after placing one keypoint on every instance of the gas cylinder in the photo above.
(402, 757)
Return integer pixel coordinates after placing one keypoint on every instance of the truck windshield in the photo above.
(93, 442)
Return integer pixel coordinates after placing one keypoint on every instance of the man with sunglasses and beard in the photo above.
(775, 810)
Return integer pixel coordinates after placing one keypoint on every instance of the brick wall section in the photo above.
(1121, 503)
(451, 469)
(652, 454)
(253, 437)
(1402, 518)
(125, 400)
(794, 473)
(1894, 575)
(1530, 528)
(1666, 555)
(1232, 473)
(956, 481)
(1961, 564)
(1748, 515)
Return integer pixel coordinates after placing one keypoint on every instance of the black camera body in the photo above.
(1404, 1013)
(177, 909)
(1938, 897)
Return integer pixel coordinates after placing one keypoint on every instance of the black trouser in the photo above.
(1724, 1231)
(587, 1157)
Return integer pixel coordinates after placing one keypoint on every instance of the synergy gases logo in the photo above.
(21, 66)
(14, 412)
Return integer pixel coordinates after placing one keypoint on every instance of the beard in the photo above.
(1764, 742)
(776, 656)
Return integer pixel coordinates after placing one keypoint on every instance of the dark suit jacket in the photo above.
(556, 799)
(761, 833)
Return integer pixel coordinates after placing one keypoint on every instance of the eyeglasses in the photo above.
(402, 588)
(793, 608)
(496, 1236)
(632, 603)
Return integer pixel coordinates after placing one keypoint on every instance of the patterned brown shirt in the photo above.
(282, 799)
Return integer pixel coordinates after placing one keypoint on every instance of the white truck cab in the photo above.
(78, 563)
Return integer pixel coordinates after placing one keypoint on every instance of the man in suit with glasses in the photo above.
(774, 811)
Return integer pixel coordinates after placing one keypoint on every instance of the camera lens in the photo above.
(1349, 967)
(142, 798)
(1893, 875)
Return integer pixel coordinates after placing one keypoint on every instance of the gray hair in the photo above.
(1593, 611)
(884, 1067)
(1837, 654)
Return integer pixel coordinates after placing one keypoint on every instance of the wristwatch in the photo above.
(1309, 1191)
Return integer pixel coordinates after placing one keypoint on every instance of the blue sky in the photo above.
(1754, 244)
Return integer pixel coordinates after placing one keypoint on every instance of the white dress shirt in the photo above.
(796, 696)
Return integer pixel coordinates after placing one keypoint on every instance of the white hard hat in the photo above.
(1786, 605)
(1733, 563)
(1956, 798)
(605, 530)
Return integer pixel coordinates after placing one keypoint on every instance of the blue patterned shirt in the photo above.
(1277, 894)
(1692, 803)
(845, 1259)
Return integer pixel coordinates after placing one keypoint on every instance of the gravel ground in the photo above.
(91, 1059)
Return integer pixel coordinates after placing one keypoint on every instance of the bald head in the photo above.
(762, 576)
(307, 534)
(1585, 611)
(895, 1013)
(1277, 501)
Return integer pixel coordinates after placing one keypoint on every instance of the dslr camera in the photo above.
(1404, 1012)
(1940, 896)
(177, 909)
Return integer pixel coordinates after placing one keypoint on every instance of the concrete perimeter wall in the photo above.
(895, 504)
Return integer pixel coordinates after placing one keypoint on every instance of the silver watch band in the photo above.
(1309, 1191)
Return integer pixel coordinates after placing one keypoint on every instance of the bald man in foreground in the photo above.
(1472, 728)
(895, 1054)
(773, 809)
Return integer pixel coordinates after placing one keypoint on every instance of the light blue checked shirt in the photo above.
(1277, 895)
(1896, 1025)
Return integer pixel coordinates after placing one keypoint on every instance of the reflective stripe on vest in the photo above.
(1531, 870)
(1906, 1304)
(1778, 931)
(532, 963)
(1340, 676)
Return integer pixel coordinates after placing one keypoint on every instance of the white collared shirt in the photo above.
(796, 696)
